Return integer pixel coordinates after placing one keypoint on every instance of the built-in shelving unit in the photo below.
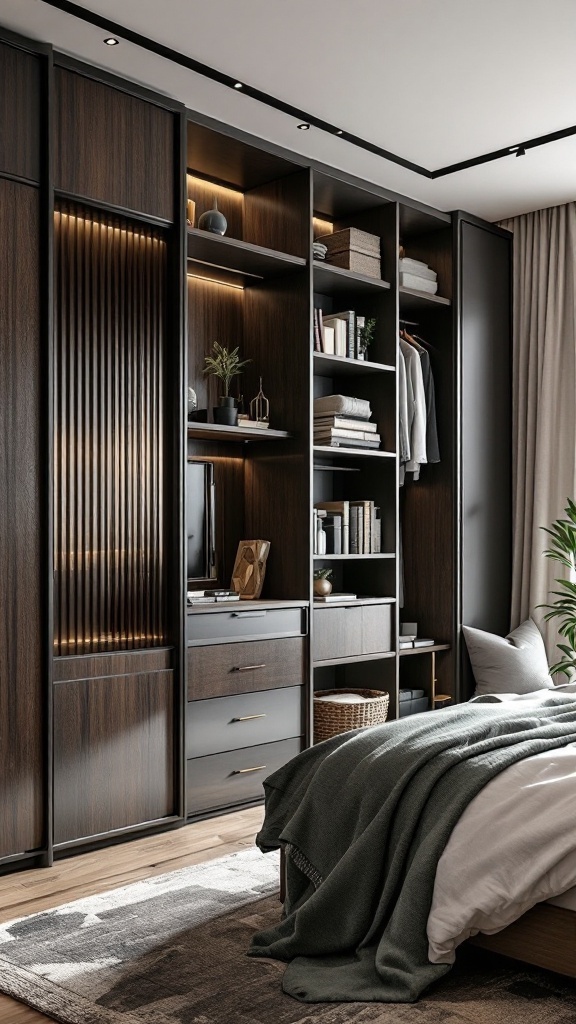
(336, 281)
(411, 300)
(209, 253)
(220, 432)
(326, 365)
(423, 650)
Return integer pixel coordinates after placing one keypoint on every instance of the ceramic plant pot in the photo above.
(322, 587)
(226, 412)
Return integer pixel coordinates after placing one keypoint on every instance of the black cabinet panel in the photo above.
(228, 723)
(19, 113)
(236, 777)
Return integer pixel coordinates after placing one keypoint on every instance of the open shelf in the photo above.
(331, 280)
(209, 255)
(326, 365)
(356, 453)
(220, 432)
(350, 661)
(414, 300)
(423, 650)
(349, 558)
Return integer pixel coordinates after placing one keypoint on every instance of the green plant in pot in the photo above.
(322, 584)
(563, 549)
(225, 364)
(366, 337)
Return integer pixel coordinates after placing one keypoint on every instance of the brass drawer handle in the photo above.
(246, 668)
(244, 771)
(248, 718)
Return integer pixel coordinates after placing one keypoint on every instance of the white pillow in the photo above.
(516, 663)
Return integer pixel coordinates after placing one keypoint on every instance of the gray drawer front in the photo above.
(227, 723)
(221, 780)
(220, 670)
(229, 625)
(352, 631)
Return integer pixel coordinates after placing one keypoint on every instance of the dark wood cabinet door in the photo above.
(22, 510)
(19, 113)
(113, 753)
(112, 147)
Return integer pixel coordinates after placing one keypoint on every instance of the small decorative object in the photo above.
(191, 213)
(213, 220)
(332, 717)
(225, 365)
(563, 549)
(250, 568)
(192, 401)
(322, 584)
(260, 407)
(366, 337)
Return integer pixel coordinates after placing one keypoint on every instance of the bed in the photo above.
(507, 848)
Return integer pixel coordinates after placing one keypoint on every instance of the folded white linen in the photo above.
(514, 846)
(418, 283)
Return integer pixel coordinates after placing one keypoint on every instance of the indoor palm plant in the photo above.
(225, 364)
(563, 549)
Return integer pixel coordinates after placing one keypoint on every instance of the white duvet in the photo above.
(514, 846)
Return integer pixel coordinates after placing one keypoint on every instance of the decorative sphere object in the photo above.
(213, 220)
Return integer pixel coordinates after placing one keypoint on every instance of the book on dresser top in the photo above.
(337, 439)
(366, 435)
(334, 597)
(404, 643)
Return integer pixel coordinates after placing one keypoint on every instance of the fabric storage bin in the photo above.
(331, 717)
(352, 249)
(410, 702)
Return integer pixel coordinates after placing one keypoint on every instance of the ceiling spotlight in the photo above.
(339, 131)
(520, 151)
(303, 127)
(238, 85)
(111, 41)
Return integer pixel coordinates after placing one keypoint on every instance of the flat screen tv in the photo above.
(200, 521)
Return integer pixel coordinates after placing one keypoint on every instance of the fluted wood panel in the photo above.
(109, 345)
(22, 515)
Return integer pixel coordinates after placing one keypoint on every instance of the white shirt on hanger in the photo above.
(418, 426)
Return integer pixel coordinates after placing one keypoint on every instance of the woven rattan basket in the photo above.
(332, 718)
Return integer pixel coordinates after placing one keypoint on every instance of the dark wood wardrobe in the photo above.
(122, 711)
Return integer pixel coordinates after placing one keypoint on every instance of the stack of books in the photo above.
(338, 334)
(211, 596)
(340, 421)
(347, 528)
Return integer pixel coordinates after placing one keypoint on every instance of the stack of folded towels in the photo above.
(417, 275)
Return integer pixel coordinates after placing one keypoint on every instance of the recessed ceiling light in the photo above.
(303, 127)
(339, 131)
(520, 151)
(111, 41)
(238, 85)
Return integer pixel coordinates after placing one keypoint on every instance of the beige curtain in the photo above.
(544, 400)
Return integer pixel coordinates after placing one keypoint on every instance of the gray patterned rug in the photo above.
(172, 950)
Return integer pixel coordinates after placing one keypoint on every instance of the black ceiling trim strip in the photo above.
(112, 27)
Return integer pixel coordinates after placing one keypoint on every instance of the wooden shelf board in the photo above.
(215, 256)
(411, 299)
(423, 650)
(350, 603)
(351, 661)
(345, 558)
(329, 280)
(356, 453)
(326, 365)
(212, 431)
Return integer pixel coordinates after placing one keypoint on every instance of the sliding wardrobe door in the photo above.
(22, 516)
(113, 679)
(484, 268)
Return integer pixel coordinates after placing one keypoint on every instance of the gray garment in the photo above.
(405, 414)
(432, 449)
(417, 426)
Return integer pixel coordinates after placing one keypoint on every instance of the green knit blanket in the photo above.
(364, 819)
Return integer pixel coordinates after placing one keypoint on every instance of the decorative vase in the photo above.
(213, 220)
(226, 412)
(322, 587)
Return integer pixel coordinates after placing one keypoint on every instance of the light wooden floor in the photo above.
(29, 892)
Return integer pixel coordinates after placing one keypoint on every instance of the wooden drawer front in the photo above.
(227, 723)
(223, 780)
(220, 670)
(352, 631)
(245, 624)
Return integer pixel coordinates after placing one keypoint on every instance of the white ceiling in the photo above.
(435, 83)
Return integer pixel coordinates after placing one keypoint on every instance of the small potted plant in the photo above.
(366, 337)
(225, 364)
(322, 584)
(563, 549)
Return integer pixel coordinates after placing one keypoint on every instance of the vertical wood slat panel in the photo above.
(109, 585)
